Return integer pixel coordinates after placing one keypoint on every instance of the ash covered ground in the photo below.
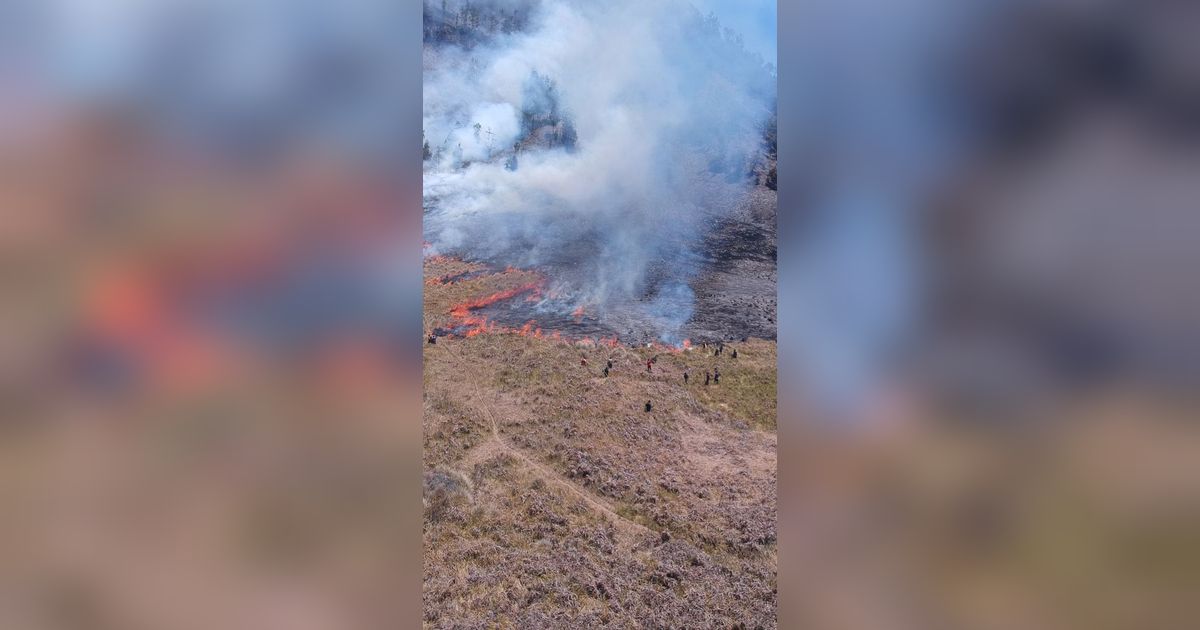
(736, 286)
(731, 273)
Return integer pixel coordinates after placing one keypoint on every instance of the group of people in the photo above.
(710, 376)
(721, 348)
(713, 376)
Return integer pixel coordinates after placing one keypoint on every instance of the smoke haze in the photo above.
(596, 144)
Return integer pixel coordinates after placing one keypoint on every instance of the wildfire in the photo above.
(469, 323)
(462, 311)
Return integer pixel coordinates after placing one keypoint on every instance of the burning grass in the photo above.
(449, 304)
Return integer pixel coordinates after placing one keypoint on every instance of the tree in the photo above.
(568, 138)
(539, 102)
(511, 163)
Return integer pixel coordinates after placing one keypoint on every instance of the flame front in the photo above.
(469, 323)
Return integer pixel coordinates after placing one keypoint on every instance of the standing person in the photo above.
(716, 376)
(685, 377)
(610, 364)
(649, 366)
(734, 353)
(707, 377)
(606, 371)
(648, 407)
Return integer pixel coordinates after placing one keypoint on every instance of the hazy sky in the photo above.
(754, 19)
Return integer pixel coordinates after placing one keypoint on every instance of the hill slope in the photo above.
(554, 499)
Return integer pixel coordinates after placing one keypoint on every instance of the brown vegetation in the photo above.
(578, 509)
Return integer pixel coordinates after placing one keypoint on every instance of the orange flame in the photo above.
(475, 325)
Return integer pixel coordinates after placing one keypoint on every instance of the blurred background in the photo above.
(989, 328)
(989, 314)
(209, 367)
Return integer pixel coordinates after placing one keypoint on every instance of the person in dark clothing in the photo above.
(716, 375)
(610, 364)
(649, 366)
(685, 377)
(648, 406)
(734, 353)
(605, 371)
(432, 339)
(707, 377)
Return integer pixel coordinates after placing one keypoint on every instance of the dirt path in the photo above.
(628, 530)
(714, 455)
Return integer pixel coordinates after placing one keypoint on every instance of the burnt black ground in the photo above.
(731, 272)
(736, 288)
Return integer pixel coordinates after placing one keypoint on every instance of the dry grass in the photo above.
(538, 546)
(440, 297)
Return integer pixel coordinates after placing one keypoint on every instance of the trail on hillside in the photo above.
(624, 525)
(716, 455)
(496, 445)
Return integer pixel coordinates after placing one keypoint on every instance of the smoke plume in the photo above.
(596, 143)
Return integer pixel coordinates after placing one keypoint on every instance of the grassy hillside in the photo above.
(554, 499)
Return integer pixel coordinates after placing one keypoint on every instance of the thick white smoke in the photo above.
(667, 112)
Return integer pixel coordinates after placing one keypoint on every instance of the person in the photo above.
(583, 362)
(734, 355)
(432, 339)
(685, 377)
(648, 366)
(716, 376)
(647, 406)
(610, 364)
(606, 371)
(707, 377)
